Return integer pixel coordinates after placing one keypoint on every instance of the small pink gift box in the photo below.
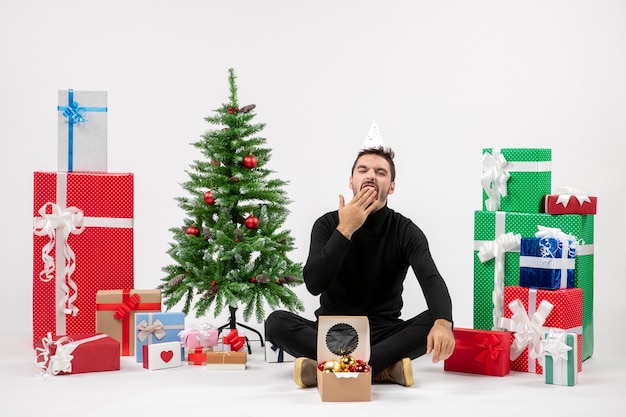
(198, 335)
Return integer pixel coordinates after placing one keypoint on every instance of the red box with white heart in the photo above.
(161, 355)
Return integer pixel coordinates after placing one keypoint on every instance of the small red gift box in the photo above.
(565, 313)
(82, 243)
(76, 354)
(485, 352)
(570, 203)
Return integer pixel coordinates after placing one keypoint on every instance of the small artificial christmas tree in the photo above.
(231, 250)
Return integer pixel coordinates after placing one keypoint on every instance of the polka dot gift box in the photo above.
(530, 312)
(492, 275)
(82, 243)
(516, 179)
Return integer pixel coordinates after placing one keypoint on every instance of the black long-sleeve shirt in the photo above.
(364, 275)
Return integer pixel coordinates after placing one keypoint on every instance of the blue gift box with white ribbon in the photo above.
(547, 263)
(82, 131)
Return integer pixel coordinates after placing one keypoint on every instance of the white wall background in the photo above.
(442, 79)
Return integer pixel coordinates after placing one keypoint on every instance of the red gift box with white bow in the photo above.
(568, 200)
(76, 354)
(529, 312)
(82, 243)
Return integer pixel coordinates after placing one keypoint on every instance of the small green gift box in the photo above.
(489, 230)
(516, 179)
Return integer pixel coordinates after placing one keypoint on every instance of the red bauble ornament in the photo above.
(230, 110)
(234, 179)
(252, 222)
(280, 281)
(192, 230)
(213, 283)
(253, 280)
(249, 161)
(208, 198)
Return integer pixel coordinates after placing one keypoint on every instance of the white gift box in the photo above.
(274, 354)
(161, 355)
(82, 131)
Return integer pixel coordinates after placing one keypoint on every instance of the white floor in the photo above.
(267, 389)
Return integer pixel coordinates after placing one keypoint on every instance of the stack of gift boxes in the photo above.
(86, 312)
(533, 273)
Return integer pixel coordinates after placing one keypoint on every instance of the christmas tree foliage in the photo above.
(231, 251)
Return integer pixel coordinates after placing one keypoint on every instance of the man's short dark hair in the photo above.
(386, 153)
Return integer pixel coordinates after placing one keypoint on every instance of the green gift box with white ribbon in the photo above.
(559, 350)
(497, 261)
(516, 179)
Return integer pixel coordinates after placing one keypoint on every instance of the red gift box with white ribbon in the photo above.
(530, 312)
(76, 354)
(569, 200)
(82, 243)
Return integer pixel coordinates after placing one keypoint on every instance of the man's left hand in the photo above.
(440, 340)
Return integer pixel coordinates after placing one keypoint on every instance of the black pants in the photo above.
(390, 340)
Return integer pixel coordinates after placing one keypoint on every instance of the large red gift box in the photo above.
(485, 352)
(82, 243)
(566, 314)
(76, 354)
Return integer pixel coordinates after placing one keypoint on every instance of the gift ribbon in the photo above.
(65, 221)
(74, 114)
(197, 356)
(157, 329)
(495, 249)
(555, 345)
(528, 327)
(494, 178)
(125, 319)
(233, 339)
(566, 193)
(61, 361)
(146, 329)
(69, 220)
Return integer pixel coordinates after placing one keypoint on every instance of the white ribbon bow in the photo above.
(198, 330)
(566, 193)
(61, 361)
(494, 178)
(555, 345)
(528, 330)
(569, 244)
(65, 221)
(495, 249)
(146, 330)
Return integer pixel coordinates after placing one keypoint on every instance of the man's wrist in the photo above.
(346, 233)
(444, 322)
